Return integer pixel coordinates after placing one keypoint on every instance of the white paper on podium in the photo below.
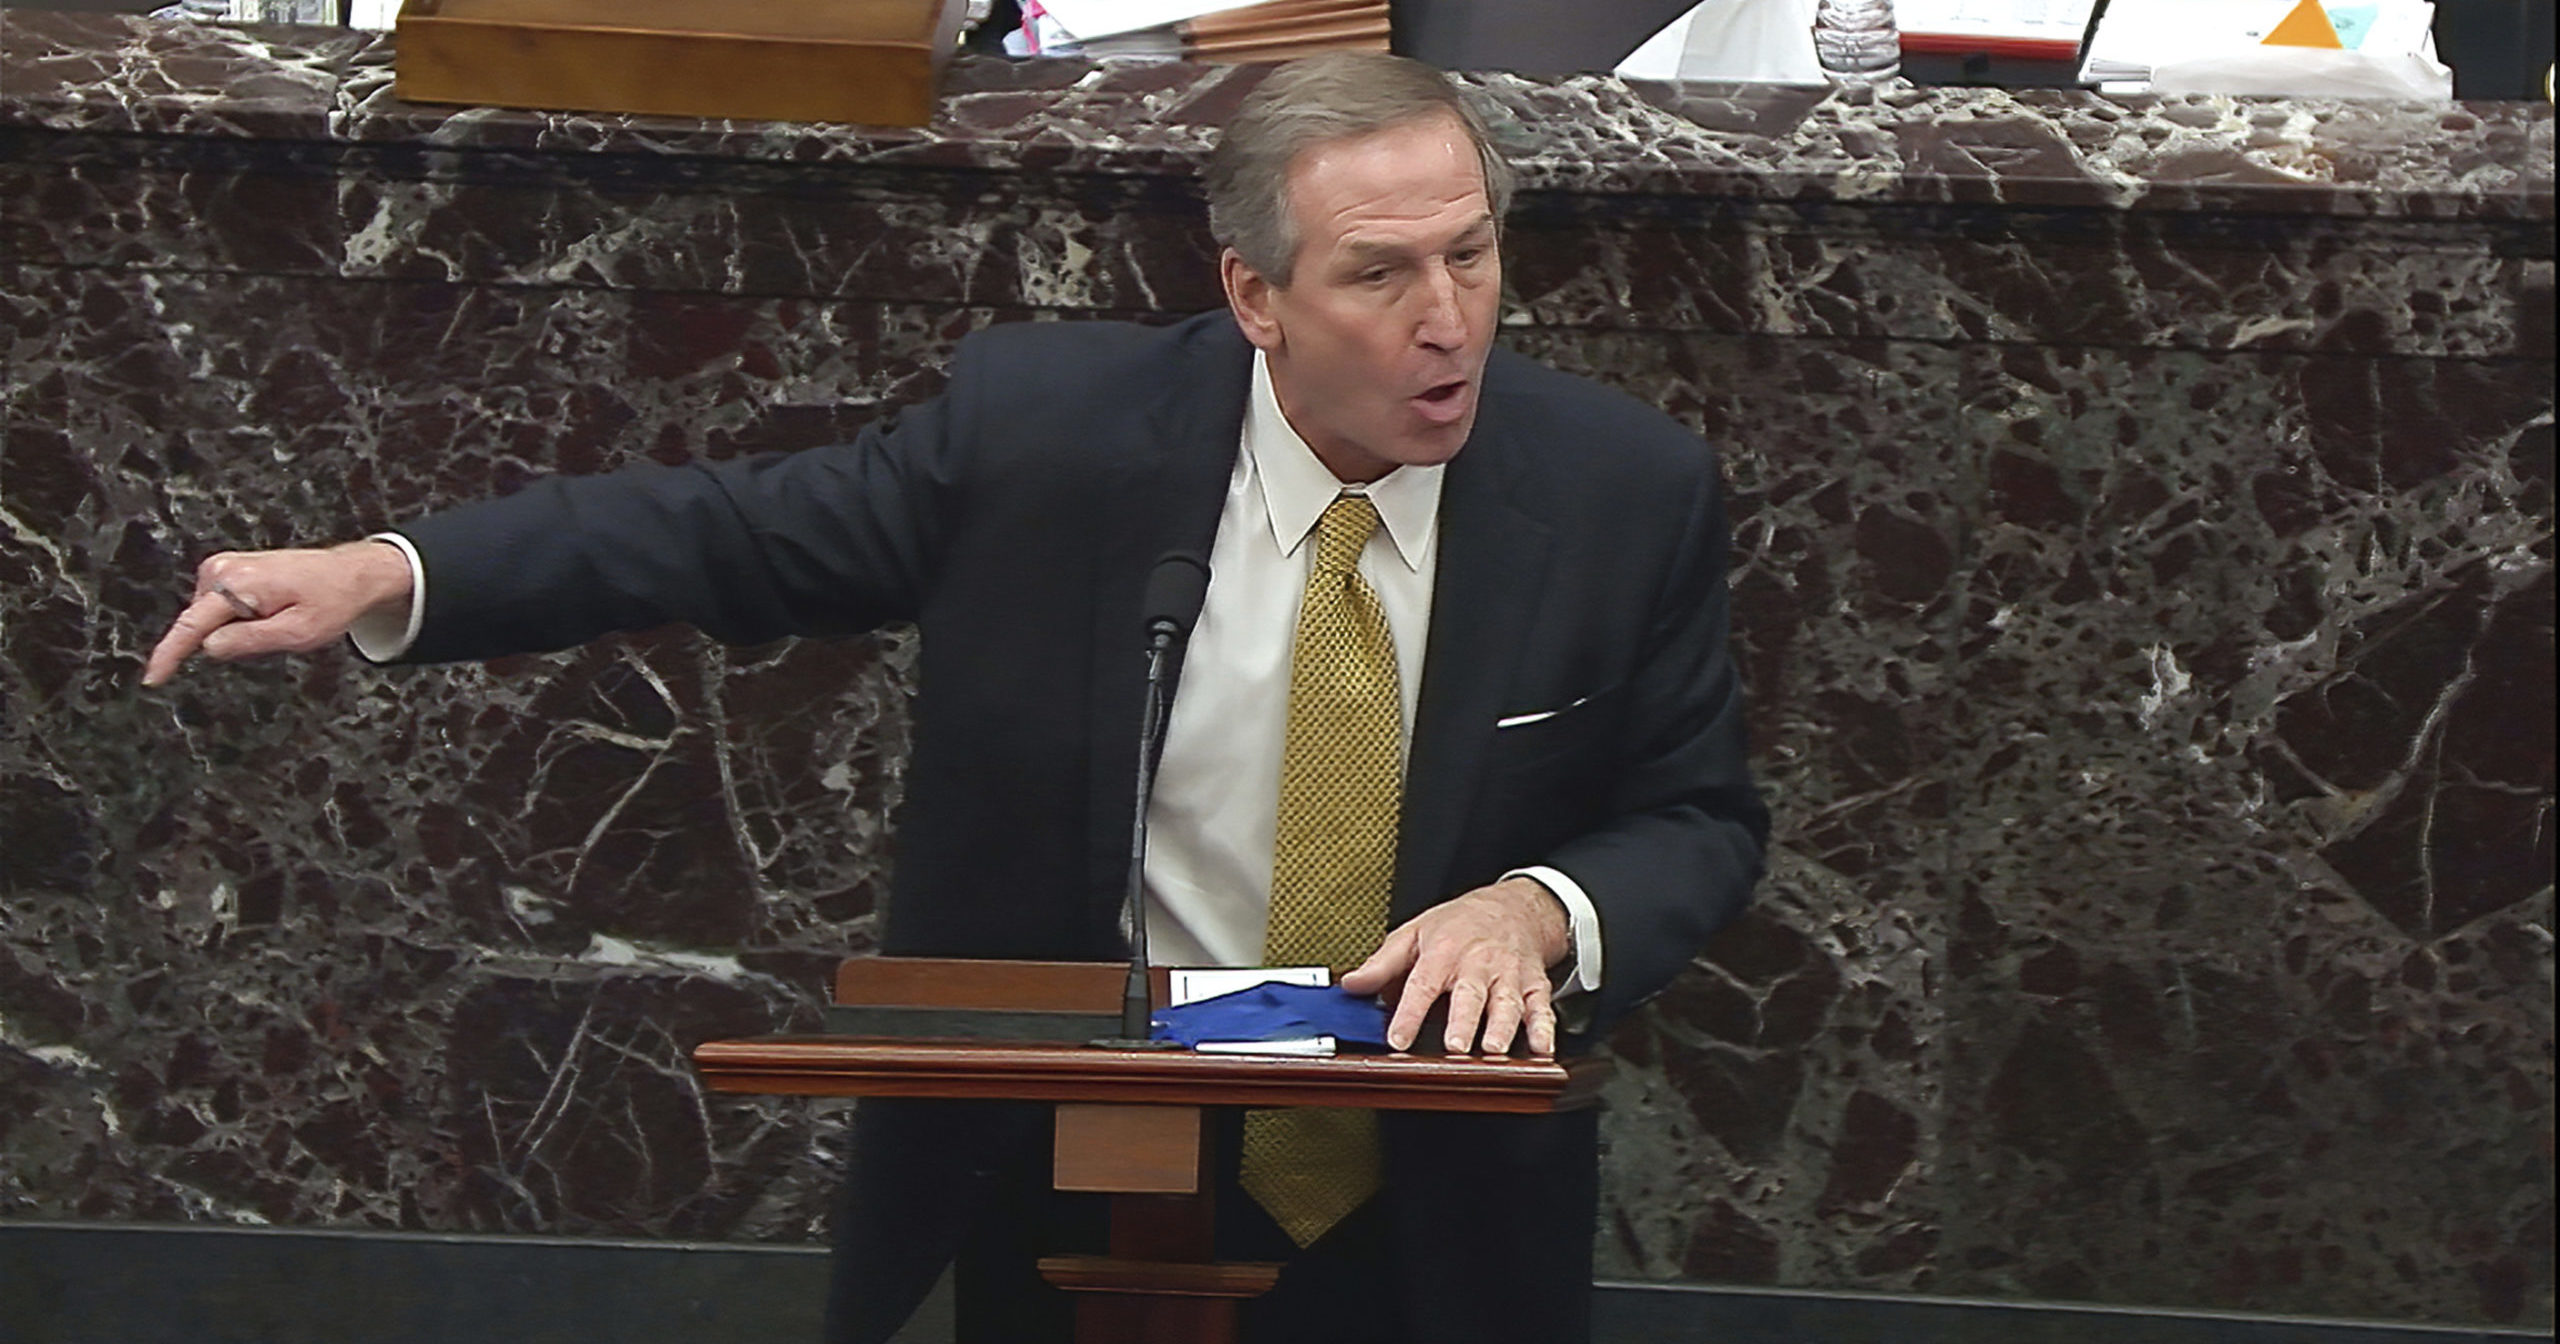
(1306, 1047)
(1763, 41)
(2308, 72)
(1191, 984)
(2060, 22)
(1089, 19)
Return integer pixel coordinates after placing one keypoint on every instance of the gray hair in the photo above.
(1310, 102)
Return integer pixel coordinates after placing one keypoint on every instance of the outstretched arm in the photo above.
(252, 603)
(825, 540)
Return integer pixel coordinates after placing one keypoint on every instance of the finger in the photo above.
(1421, 989)
(219, 567)
(1542, 1020)
(1393, 958)
(1502, 1013)
(1466, 1008)
(206, 614)
(292, 630)
(240, 606)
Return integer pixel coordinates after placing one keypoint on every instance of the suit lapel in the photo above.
(1163, 493)
(1493, 559)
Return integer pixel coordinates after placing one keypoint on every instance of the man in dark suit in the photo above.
(1522, 619)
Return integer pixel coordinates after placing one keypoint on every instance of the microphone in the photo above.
(1176, 587)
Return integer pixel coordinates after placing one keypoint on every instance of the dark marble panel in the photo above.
(2060, 986)
(121, 73)
(420, 948)
(2194, 1033)
(2466, 289)
(628, 222)
(2030, 148)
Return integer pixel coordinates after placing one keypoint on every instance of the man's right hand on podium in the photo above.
(252, 603)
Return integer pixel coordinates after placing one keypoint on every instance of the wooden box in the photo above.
(873, 61)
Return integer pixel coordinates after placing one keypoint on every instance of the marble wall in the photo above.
(2143, 571)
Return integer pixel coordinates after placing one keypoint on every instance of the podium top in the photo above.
(850, 1066)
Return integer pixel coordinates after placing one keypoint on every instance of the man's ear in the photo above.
(1249, 297)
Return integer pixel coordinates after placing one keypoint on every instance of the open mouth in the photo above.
(1442, 403)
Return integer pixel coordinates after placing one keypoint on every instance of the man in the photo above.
(1457, 716)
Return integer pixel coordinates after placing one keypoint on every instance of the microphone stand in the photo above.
(1136, 999)
(1175, 590)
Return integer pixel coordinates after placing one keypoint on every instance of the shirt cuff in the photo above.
(1582, 960)
(377, 635)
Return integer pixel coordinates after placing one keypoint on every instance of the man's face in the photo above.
(1377, 345)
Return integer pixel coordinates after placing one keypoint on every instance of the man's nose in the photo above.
(1442, 324)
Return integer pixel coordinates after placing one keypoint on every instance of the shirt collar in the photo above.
(1297, 487)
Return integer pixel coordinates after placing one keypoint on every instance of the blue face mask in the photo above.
(1273, 1012)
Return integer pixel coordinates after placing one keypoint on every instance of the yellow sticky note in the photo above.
(2307, 26)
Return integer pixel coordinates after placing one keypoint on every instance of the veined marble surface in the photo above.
(2143, 574)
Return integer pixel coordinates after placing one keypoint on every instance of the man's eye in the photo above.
(1467, 256)
(1376, 275)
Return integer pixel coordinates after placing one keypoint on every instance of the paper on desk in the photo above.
(1041, 34)
(2309, 72)
(1308, 1047)
(2057, 22)
(1191, 984)
(2214, 46)
(1089, 19)
(1762, 41)
(2147, 31)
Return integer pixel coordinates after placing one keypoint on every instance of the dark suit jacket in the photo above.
(1015, 520)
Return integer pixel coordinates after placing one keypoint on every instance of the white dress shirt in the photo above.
(1213, 820)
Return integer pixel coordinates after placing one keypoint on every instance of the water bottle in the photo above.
(1856, 42)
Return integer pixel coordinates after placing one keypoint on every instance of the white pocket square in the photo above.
(1537, 716)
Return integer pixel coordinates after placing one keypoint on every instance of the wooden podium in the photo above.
(1130, 1123)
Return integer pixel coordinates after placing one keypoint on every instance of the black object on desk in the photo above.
(2497, 48)
(1530, 37)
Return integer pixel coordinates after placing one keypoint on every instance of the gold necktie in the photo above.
(1341, 784)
